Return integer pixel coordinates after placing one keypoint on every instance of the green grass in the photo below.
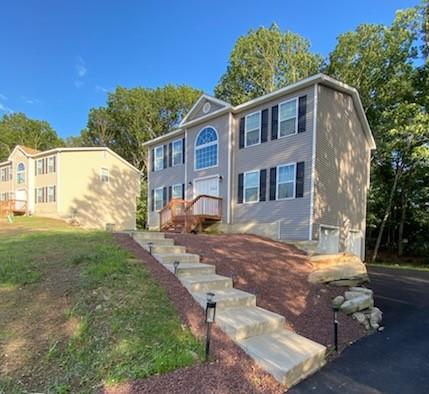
(406, 266)
(108, 320)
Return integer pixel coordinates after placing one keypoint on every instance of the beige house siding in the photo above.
(341, 167)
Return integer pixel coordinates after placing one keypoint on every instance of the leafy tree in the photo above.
(264, 60)
(17, 129)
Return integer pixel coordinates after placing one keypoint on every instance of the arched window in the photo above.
(206, 149)
(20, 173)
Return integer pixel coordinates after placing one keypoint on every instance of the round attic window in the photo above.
(206, 107)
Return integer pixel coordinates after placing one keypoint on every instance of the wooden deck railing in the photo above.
(202, 207)
(12, 206)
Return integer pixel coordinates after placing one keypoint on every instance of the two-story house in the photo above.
(292, 165)
(92, 187)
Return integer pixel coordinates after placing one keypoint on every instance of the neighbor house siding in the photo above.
(292, 215)
(342, 166)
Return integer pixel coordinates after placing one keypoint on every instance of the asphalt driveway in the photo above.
(395, 360)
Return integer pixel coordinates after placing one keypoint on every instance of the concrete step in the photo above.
(169, 258)
(228, 298)
(198, 283)
(241, 323)
(188, 269)
(155, 242)
(177, 249)
(286, 355)
(149, 235)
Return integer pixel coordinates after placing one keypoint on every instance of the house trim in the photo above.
(313, 161)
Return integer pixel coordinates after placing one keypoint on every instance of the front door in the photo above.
(206, 186)
(20, 199)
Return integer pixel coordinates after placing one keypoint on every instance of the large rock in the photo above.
(338, 267)
(357, 304)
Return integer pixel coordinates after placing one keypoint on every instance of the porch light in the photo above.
(176, 265)
(150, 245)
(210, 318)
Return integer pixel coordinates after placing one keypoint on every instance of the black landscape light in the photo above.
(210, 318)
(335, 309)
(176, 265)
(150, 245)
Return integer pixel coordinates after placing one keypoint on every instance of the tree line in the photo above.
(388, 64)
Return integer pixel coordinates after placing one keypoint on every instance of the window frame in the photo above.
(258, 186)
(247, 131)
(161, 148)
(154, 198)
(39, 171)
(281, 120)
(4, 174)
(38, 190)
(198, 147)
(181, 152)
(20, 172)
(51, 187)
(181, 190)
(48, 168)
(102, 176)
(281, 183)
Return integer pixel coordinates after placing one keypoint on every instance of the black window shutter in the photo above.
(183, 191)
(170, 193)
(302, 113)
(241, 134)
(165, 156)
(55, 163)
(273, 183)
(263, 185)
(152, 200)
(152, 160)
(164, 196)
(183, 151)
(240, 188)
(35, 167)
(170, 154)
(264, 129)
(274, 121)
(299, 186)
(55, 193)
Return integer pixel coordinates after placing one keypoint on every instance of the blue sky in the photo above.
(59, 58)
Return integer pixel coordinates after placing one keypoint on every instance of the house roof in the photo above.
(315, 79)
(28, 150)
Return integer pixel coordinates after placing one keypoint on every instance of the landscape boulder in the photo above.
(357, 304)
(338, 267)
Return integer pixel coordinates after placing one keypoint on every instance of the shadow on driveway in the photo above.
(395, 360)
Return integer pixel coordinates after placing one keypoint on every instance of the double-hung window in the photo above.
(251, 186)
(51, 194)
(39, 166)
(159, 198)
(159, 158)
(104, 175)
(177, 154)
(20, 173)
(252, 129)
(39, 195)
(288, 114)
(177, 191)
(51, 164)
(286, 175)
(5, 174)
(206, 149)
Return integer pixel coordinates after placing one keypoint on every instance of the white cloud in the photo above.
(29, 100)
(78, 83)
(80, 67)
(3, 97)
(5, 109)
(100, 89)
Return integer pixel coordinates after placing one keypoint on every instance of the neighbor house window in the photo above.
(177, 152)
(104, 175)
(39, 166)
(288, 118)
(251, 186)
(253, 129)
(51, 193)
(51, 164)
(206, 149)
(6, 174)
(177, 191)
(20, 173)
(286, 181)
(159, 198)
(159, 158)
(39, 195)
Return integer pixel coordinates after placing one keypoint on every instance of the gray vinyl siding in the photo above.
(342, 165)
(221, 124)
(198, 112)
(167, 177)
(293, 215)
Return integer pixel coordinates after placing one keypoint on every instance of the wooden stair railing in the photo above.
(13, 207)
(188, 215)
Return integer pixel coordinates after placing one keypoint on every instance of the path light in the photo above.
(210, 318)
(335, 308)
(176, 265)
(150, 244)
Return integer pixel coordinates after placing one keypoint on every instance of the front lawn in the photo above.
(77, 313)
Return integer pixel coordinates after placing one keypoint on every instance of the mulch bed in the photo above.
(231, 372)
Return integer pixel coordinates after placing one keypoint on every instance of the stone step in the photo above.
(155, 242)
(241, 323)
(149, 235)
(169, 258)
(188, 269)
(177, 249)
(286, 355)
(228, 298)
(198, 283)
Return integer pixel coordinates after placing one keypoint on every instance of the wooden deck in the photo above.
(187, 216)
(14, 207)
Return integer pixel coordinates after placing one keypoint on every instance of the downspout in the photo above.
(313, 161)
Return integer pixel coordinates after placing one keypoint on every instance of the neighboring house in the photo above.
(93, 187)
(291, 165)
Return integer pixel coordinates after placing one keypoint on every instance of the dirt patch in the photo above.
(277, 273)
(231, 372)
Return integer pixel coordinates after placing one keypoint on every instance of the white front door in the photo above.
(21, 199)
(208, 186)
